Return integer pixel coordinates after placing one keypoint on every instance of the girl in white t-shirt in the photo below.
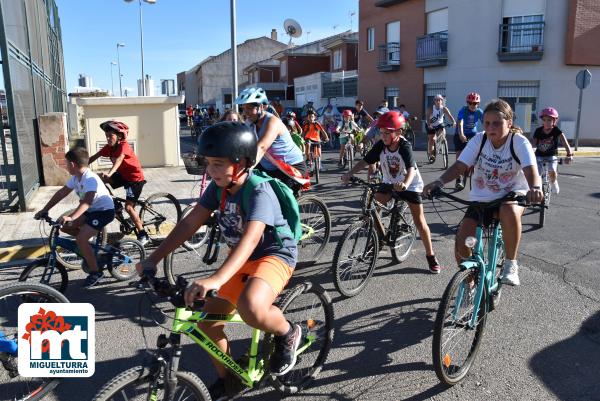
(506, 164)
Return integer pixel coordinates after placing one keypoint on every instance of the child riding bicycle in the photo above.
(546, 140)
(435, 122)
(400, 172)
(313, 132)
(346, 129)
(95, 210)
(466, 128)
(126, 171)
(263, 249)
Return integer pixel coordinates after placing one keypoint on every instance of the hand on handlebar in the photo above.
(535, 195)
(568, 159)
(64, 220)
(432, 188)
(145, 267)
(40, 214)
(399, 187)
(199, 290)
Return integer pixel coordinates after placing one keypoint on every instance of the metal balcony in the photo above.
(389, 57)
(432, 49)
(521, 42)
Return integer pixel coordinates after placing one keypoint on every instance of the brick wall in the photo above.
(583, 33)
(54, 145)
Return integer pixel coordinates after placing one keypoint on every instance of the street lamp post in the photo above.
(142, 41)
(112, 81)
(119, 65)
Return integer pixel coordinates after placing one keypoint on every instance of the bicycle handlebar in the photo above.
(511, 196)
(175, 293)
(48, 220)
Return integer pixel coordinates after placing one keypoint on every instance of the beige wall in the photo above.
(153, 126)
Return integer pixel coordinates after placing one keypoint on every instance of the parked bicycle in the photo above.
(356, 253)
(306, 304)
(13, 385)
(440, 146)
(119, 260)
(473, 292)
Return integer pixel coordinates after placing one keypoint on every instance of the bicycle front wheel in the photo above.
(444, 153)
(455, 342)
(139, 384)
(199, 238)
(309, 306)
(317, 167)
(354, 259)
(40, 272)
(14, 386)
(403, 234)
(124, 270)
(316, 229)
(160, 214)
(410, 137)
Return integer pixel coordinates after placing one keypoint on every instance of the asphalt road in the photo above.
(542, 343)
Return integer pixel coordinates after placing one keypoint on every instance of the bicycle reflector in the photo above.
(470, 242)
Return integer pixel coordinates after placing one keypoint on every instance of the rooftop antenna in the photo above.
(292, 29)
(307, 33)
(352, 14)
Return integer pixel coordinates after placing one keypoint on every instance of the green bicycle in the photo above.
(306, 304)
(473, 292)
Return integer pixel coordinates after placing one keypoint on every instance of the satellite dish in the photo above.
(292, 28)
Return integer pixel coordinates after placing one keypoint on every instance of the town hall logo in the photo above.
(56, 340)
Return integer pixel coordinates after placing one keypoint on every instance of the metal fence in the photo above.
(33, 75)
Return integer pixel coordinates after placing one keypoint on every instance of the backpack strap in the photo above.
(483, 140)
(511, 145)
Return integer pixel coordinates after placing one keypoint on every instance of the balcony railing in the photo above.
(432, 49)
(522, 41)
(389, 57)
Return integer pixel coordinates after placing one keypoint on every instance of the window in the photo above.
(514, 92)
(370, 39)
(522, 34)
(430, 91)
(337, 60)
(393, 42)
(391, 94)
(283, 68)
(437, 21)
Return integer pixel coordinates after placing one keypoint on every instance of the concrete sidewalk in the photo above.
(22, 237)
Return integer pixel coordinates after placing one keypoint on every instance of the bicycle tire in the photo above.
(135, 251)
(545, 204)
(157, 204)
(140, 376)
(17, 387)
(347, 281)
(405, 239)
(410, 137)
(318, 219)
(317, 324)
(200, 237)
(68, 258)
(444, 152)
(33, 274)
(445, 369)
(317, 164)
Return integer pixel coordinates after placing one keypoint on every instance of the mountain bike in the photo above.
(348, 159)
(119, 260)
(13, 385)
(440, 146)
(356, 253)
(473, 292)
(159, 214)
(546, 188)
(306, 304)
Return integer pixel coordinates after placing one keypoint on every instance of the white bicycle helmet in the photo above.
(252, 95)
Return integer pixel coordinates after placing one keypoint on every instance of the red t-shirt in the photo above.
(130, 169)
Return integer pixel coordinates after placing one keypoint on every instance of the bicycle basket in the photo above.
(194, 163)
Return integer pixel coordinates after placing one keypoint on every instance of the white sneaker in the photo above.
(555, 187)
(510, 273)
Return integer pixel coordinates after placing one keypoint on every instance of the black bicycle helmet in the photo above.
(231, 139)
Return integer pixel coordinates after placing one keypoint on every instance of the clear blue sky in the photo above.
(178, 33)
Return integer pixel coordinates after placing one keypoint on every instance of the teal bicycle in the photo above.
(119, 259)
(306, 304)
(473, 292)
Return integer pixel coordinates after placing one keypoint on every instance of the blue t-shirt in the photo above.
(264, 207)
(469, 119)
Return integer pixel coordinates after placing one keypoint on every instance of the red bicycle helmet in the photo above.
(473, 97)
(549, 112)
(347, 113)
(116, 126)
(392, 120)
(291, 114)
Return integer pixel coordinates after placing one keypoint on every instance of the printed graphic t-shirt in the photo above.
(264, 207)
(547, 143)
(130, 169)
(91, 182)
(496, 172)
(395, 163)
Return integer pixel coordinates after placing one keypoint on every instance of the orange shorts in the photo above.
(268, 268)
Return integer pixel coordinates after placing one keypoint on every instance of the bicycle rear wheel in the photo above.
(141, 383)
(201, 235)
(410, 137)
(14, 386)
(403, 235)
(316, 229)
(68, 258)
(37, 273)
(309, 306)
(455, 343)
(354, 259)
(444, 153)
(159, 214)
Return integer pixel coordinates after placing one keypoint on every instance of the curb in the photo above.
(581, 153)
(22, 252)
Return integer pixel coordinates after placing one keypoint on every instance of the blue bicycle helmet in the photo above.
(252, 95)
